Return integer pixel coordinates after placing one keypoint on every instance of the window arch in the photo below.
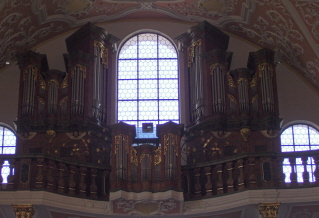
(7, 146)
(147, 82)
(299, 137)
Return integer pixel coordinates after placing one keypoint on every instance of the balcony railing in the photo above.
(225, 176)
(250, 171)
(41, 172)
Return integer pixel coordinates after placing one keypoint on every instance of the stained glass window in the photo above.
(299, 137)
(148, 82)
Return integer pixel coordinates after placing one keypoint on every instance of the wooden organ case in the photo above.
(64, 114)
(229, 112)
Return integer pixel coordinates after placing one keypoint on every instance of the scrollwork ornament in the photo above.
(245, 133)
(134, 157)
(253, 82)
(104, 53)
(263, 67)
(64, 83)
(42, 82)
(41, 100)
(191, 51)
(232, 98)
(63, 100)
(254, 99)
(230, 80)
(157, 156)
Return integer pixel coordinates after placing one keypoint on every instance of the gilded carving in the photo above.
(170, 140)
(63, 100)
(253, 82)
(42, 82)
(104, 53)
(157, 157)
(54, 81)
(144, 155)
(242, 79)
(33, 70)
(27, 135)
(221, 134)
(245, 133)
(75, 135)
(23, 211)
(269, 210)
(232, 98)
(270, 133)
(207, 142)
(263, 67)
(121, 139)
(191, 51)
(50, 134)
(64, 83)
(41, 100)
(134, 159)
(81, 68)
(230, 80)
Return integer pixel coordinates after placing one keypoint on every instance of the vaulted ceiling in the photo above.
(292, 26)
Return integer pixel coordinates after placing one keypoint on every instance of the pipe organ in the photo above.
(230, 111)
(65, 115)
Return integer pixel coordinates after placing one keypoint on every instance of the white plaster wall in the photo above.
(297, 100)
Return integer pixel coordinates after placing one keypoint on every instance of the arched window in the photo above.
(147, 82)
(7, 146)
(299, 137)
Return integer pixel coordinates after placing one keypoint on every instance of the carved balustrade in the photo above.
(41, 172)
(250, 171)
(204, 180)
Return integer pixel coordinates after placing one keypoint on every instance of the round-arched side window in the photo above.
(299, 137)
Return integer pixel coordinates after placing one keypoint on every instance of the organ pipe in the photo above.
(30, 78)
(52, 96)
(266, 74)
(218, 88)
(78, 86)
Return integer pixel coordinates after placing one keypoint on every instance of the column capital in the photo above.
(269, 210)
(23, 211)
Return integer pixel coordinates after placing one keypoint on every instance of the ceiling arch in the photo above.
(292, 26)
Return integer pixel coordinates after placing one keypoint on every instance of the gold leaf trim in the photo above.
(232, 98)
(34, 71)
(64, 83)
(42, 82)
(263, 67)
(81, 68)
(134, 157)
(158, 157)
(41, 100)
(191, 51)
(104, 53)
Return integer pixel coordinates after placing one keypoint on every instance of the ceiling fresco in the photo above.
(292, 26)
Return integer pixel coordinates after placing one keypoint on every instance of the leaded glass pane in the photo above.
(300, 137)
(148, 82)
